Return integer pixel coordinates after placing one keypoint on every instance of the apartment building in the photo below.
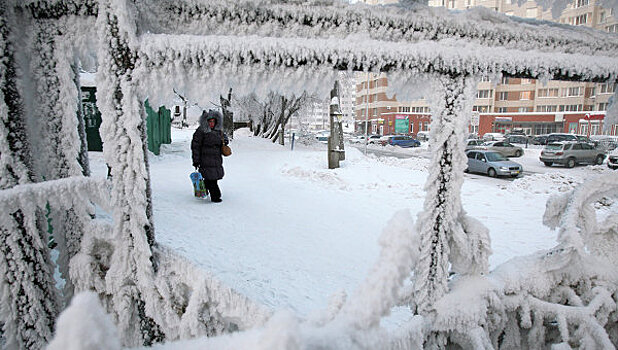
(316, 114)
(511, 96)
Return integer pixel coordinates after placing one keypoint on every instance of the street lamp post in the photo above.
(367, 113)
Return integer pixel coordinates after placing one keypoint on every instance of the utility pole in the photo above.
(336, 151)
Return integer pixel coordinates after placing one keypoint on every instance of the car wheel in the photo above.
(518, 154)
(466, 170)
(548, 163)
(599, 160)
(570, 163)
(491, 172)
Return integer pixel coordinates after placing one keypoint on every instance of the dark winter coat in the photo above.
(206, 146)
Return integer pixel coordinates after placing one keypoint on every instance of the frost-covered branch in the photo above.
(254, 64)
(574, 214)
(319, 19)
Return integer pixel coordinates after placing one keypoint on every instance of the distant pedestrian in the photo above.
(206, 151)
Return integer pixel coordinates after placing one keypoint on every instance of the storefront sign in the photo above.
(402, 124)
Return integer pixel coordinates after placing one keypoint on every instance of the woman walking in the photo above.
(206, 151)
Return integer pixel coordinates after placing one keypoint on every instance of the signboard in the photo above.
(402, 125)
(474, 119)
(504, 119)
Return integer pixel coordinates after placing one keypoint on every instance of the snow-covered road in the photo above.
(290, 233)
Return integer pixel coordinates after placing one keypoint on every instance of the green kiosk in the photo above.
(158, 123)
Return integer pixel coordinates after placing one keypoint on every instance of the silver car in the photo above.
(570, 154)
(492, 163)
(473, 143)
(504, 148)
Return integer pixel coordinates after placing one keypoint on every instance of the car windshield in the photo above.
(494, 157)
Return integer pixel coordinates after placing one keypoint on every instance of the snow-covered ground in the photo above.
(290, 232)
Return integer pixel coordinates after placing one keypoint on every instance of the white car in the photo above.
(374, 139)
(493, 136)
(357, 139)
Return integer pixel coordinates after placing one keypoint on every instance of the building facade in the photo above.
(512, 98)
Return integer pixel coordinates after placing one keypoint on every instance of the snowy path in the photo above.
(290, 233)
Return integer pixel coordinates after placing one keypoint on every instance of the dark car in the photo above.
(492, 163)
(612, 160)
(403, 141)
(539, 140)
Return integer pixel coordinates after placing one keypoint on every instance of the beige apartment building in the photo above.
(511, 95)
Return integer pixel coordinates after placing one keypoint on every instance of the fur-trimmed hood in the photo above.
(211, 114)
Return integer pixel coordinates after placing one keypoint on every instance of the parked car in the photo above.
(571, 154)
(606, 142)
(322, 138)
(473, 143)
(505, 148)
(493, 136)
(402, 141)
(521, 139)
(422, 136)
(373, 139)
(539, 140)
(383, 141)
(612, 160)
(357, 139)
(492, 163)
(557, 137)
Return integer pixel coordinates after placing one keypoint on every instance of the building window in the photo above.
(505, 80)
(581, 19)
(602, 107)
(483, 94)
(581, 3)
(573, 91)
(548, 92)
(484, 78)
(548, 108)
(526, 81)
(607, 88)
(602, 17)
(482, 109)
(531, 13)
(571, 108)
(375, 112)
(501, 110)
(504, 95)
(404, 109)
(525, 95)
(524, 109)
(613, 28)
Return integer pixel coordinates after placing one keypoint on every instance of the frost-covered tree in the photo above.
(443, 226)
(270, 115)
(28, 298)
(58, 127)
(129, 280)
